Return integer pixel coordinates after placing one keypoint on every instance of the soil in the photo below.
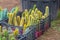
(52, 33)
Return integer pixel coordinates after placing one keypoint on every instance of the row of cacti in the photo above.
(28, 18)
(4, 12)
(6, 35)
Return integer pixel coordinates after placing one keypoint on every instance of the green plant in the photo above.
(58, 17)
(55, 25)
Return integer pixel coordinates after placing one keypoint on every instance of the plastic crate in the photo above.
(41, 4)
(46, 25)
(33, 32)
(29, 35)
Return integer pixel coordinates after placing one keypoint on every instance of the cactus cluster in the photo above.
(28, 18)
(6, 35)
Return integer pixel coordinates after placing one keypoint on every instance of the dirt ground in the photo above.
(52, 33)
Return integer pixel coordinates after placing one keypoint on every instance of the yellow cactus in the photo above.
(22, 21)
(39, 14)
(10, 17)
(32, 13)
(26, 12)
(31, 19)
(18, 20)
(16, 32)
(1, 9)
(26, 18)
(14, 14)
(24, 27)
(15, 22)
(0, 28)
(36, 10)
(43, 17)
(16, 9)
(47, 10)
(28, 22)
(23, 14)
